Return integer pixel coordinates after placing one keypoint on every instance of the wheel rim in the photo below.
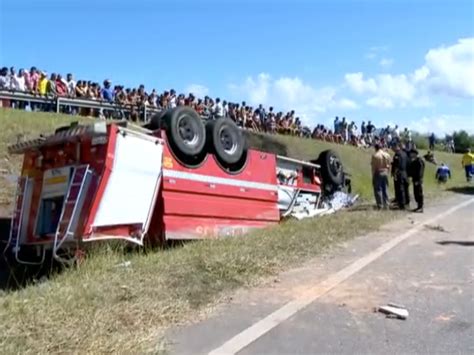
(334, 165)
(187, 130)
(228, 141)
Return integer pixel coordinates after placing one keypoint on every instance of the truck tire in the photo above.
(185, 131)
(331, 167)
(225, 140)
(156, 121)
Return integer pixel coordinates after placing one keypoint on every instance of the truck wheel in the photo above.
(331, 167)
(185, 131)
(156, 121)
(225, 140)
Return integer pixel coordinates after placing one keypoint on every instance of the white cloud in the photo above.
(386, 63)
(385, 90)
(290, 93)
(450, 70)
(347, 104)
(380, 102)
(420, 74)
(197, 90)
(359, 85)
(447, 71)
(443, 124)
(396, 87)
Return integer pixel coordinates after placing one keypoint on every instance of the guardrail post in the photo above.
(57, 104)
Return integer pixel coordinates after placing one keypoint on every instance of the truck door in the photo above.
(127, 203)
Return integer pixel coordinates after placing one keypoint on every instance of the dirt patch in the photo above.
(359, 296)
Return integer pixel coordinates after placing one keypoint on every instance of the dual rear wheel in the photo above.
(191, 140)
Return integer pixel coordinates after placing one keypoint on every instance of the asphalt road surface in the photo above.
(423, 262)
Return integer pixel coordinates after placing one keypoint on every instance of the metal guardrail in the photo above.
(61, 102)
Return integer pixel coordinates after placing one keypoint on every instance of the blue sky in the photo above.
(406, 62)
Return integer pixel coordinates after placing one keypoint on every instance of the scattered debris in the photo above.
(125, 264)
(338, 201)
(437, 228)
(444, 318)
(396, 305)
(463, 243)
(393, 310)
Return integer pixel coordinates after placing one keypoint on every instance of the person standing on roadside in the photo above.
(416, 170)
(400, 176)
(380, 164)
(468, 164)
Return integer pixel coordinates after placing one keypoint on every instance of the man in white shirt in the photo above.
(71, 85)
(396, 133)
(218, 109)
(172, 100)
(17, 81)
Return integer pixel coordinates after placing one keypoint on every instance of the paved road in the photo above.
(430, 272)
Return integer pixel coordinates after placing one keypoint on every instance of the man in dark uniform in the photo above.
(416, 170)
(400, 176)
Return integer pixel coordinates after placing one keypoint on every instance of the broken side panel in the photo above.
(128, 200)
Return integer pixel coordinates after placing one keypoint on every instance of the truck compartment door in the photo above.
(132, 188)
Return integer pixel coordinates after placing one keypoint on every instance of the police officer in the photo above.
(416, 170)
(400, 176)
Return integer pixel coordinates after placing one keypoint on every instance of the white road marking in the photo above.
(263, 326)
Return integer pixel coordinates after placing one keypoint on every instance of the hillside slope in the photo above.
(108, 306)
(356, 161)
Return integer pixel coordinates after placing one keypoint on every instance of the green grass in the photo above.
(101, 307)
(357, 161)
(21, 125)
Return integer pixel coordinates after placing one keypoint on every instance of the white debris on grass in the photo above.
(125, 264)
(338, 201)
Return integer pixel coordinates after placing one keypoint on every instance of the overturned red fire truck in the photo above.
(176, 178)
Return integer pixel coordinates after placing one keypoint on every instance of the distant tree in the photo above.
(463, 141)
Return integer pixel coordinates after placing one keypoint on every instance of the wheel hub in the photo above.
(335, 165)
(228, 142)
(187, 131)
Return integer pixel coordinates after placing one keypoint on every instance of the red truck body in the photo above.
(105, 181)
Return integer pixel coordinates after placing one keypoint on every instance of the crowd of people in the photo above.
(368, 135)
(38, 82)
(129, 102)
(408, 166)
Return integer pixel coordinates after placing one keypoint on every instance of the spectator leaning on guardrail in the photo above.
(4, 79)
(117, 102)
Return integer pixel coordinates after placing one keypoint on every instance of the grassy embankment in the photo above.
(99, 307)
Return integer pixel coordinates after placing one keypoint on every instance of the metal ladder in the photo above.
(15, 226)
(71, 209)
